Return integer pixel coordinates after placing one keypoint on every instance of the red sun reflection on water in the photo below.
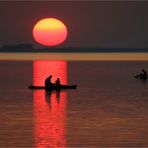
(49, 108)
(42, 69)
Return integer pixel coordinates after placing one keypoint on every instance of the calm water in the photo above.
(109, 108)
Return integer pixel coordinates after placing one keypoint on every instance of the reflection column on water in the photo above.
(42, 69)
(49, 107)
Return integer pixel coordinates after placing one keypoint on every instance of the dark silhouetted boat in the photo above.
(54, 87)
(141, 76)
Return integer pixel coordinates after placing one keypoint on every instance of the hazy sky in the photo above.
(90, 24)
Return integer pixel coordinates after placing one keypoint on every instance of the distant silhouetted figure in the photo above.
(144, 72)
(57, 82)
(48, 83)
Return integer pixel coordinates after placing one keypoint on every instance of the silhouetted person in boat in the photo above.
(48, 83)
(143, 75)
(58, 82)
(144, 72)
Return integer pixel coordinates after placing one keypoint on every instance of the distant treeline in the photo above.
(30, 48)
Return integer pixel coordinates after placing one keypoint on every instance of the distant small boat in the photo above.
(141, 76)
(54, 87)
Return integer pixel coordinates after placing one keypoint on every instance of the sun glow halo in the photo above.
(50, 32)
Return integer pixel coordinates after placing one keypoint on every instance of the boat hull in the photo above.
(141, 76)
(54, 87)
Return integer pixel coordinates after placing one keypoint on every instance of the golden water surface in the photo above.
(75, 56)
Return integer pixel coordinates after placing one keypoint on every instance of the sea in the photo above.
(109, 108)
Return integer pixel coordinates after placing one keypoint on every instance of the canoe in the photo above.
(140, 76)
(54, 87)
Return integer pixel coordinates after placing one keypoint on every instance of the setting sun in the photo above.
(50, 32)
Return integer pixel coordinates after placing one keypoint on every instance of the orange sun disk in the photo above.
(50, 32)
